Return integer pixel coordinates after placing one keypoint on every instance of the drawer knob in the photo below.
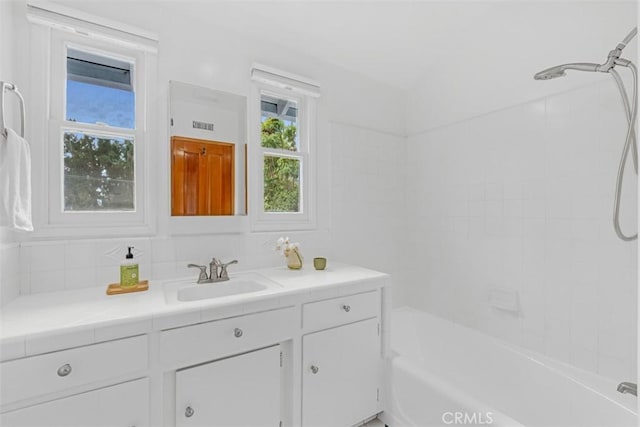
(189, 412)
(346, 308)
(237, 332)
(64, 370)
(314, 369)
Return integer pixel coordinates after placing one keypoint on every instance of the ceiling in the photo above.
(400, 42)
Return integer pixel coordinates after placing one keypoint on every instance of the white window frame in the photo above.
(51, 41)
(271, 82)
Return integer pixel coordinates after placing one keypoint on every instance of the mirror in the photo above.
(208, 151)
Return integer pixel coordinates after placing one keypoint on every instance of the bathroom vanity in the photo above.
(305, 349)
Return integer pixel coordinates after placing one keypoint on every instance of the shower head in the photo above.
(559, 70)
(612, 60)
(550, 73)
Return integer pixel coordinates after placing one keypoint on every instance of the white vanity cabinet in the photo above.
(55, 372)
(341, 366)
(237, 391)
(204, 342)
(93, 385)
(227, 372)
(310, 356)
(122, 405)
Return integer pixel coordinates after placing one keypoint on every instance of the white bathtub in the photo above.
(445, 374)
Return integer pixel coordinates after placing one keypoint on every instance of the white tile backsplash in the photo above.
(10, 273)
(59, 265)
(80, 255)
(46, 281)
(76, 278)
(46, 256)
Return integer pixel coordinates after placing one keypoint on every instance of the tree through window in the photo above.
(282, 167)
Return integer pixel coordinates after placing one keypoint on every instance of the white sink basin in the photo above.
(241, 283)
(217, 290)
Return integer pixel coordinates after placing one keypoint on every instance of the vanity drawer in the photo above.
(124, 405)
(60, 370)
(338, 311)
(199, 343)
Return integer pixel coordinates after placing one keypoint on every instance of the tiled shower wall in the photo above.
(510, 219)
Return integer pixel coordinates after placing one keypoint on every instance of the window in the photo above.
(95, 177)
(282, 158)
(283, 164)
(98, 171)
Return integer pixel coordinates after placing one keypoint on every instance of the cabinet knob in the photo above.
(64, 370)
(314, 369)
(237, 332)
(189, 412)
(346, 308)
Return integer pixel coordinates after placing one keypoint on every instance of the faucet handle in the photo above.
(202, 277)
(224, 275)
(628, 387)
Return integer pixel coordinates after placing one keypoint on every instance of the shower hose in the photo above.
(630, 141)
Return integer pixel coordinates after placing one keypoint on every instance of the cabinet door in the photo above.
(202, 175)
(341, 375)
(123, 405)
(238, 391)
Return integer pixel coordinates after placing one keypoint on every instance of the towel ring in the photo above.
(11, 87)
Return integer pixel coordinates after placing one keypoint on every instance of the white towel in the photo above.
(15, 182)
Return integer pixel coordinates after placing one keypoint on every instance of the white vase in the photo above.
(294, 259)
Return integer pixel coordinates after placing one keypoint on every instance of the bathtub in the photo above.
(444, 374)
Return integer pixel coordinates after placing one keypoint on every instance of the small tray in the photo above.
(116, 289)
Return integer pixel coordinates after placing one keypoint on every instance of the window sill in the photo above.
(46, 232)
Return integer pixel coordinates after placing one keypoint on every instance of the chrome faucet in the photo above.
(627, 387)
(217, 271)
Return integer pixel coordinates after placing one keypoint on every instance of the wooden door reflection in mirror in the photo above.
(202, 177)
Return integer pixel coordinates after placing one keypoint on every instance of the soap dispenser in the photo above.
(128, 271)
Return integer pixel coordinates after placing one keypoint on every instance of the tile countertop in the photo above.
(44, 322)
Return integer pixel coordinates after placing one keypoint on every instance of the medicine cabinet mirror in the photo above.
(208, 151)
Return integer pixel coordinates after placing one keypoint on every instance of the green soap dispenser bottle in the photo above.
(129, 271)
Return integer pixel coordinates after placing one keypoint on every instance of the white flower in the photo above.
(282, 244)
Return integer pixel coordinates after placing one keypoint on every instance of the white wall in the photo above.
(6, 42)
(368, 201)
(521, 200)
(9, 248)
(519, 39)
(221, 59)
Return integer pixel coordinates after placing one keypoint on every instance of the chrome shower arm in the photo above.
(627, 39)
(614, 55)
